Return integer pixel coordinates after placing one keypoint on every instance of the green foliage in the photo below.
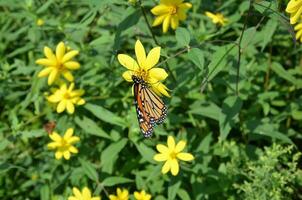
(246, 143)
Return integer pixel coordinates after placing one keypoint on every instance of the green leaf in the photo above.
(280, 71)
(230, 108)
(90, 127)
(209, 110)
(115, 180)
(182, 36)
(146, 152)
(173, 189)
(268, 32)
(44, 192)
(89, 169)
(183, 194)
(110, 154)
(105, 115)
(197, 57)
(297, 115)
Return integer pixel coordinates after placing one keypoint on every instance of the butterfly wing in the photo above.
(150, 109)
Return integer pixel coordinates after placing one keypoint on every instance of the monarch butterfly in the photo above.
(150, 109)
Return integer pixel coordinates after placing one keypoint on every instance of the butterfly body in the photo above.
(150, 109)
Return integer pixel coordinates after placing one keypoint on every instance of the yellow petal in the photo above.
(68, 75)
(69, 55)
(66, 155)
(162, 148)
(294, 18)
(46, 62)
(158, 73)
(52, 145)
(174, 22)
(72, 198)
(293, 6)
(73, 140)
(60, 51)
(127, 75)
(152, 58)
(158, 20)
(86, 193)
(58, 155)
(77, 192)
(45, 72)
(55, 137)
(71, 65)
(70, 107)
(54, 98)
(72, 149)
(161, 88)
(180, 146)
(95, 198)
(128, 62)
(68, 133)
(185, 6)
(171, 143)
(52, 76)
(160, 10)
(181, 14)
(160, 157)
(80, 102)
(166, 23)
(185, 156)
(49, 54)
(166, 167)
(174, 167)
(61, 106)
(140, 54)
(112, 197)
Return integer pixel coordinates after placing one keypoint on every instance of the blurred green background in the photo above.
(246, 146)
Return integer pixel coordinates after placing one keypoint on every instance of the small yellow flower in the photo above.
(144, 68)
(170, 154)
(294, 7)
(142, 195)
(170, 12)
(84, 195)
(217, 18)
(120, 195)
(59, 63)
(67, 98)
(298, 29)
(63, 145)
(40, 22)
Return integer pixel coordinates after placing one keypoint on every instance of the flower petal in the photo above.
(152, 58)
(45, 72)
(72, 149)
(68, 133)
(160, 157)
(55, 137)
(58, 155)
(52, 76)
(166, 23)
(46, 62)
(60, 51)
(171, 143)
(127, 75)
(68, 75)
(158, 20)
(162, 148)
(158, 73)
(52, 145)
(128, 62)
(72, 65)
(70, 107)
(86, 193)
(61, 106)
(49, 54)
(160, 88)
(160, 10)
(174, 22)
(77, 192)
(66, 155)
(68, 56)
(180, 146)
(166, 167)
(140, 53)
(174, 167)
(185, 156)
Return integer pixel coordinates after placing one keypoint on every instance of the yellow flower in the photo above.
(66, 98)
(63, 145)
(59, 63)
(84, 195)
(40, 22)
(142, 195)
(144, 68)
(170, 154)
(217, 18)
(120, 195)
(170, 12)
(294, 7)
(298, 29)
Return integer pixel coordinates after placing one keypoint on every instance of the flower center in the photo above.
(173, 155)
(173, 10)
(66, 95)
(143, 74)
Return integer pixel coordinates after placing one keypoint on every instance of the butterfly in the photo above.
(49, 126)
(150, 109)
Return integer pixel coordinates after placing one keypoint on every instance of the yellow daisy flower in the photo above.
(59, 63)
(120, 195)
(217, 18)
(142, 195)
(84, 195)
(67, 98)
(171, 154)
(294, 7)
(63, 145)
(169, 13)
(40, 22)
(298, 29)
(144, 68)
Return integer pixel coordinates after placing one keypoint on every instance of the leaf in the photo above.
(44, 192)
(197, 57)
(173, 189)
(115, 180)
(146, 152)
(268, 32)
(89, 169)
(105, 115)
(90, 127)
(209, 110)
(296, 114)
(110, 154)
(183, 194)
(280, 71)
(230, 108)
(182, 36)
